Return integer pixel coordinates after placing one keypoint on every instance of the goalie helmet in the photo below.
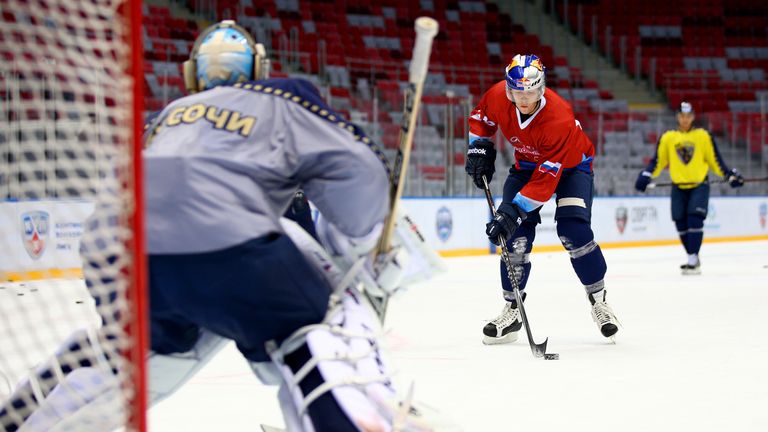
(223, 54)
(525, 72)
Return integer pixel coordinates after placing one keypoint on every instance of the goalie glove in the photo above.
(347, 248)
(384, 275)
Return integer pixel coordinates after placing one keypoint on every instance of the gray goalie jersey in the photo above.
(221, 166)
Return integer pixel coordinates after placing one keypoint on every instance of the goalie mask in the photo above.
(223, 54)
(525, 72)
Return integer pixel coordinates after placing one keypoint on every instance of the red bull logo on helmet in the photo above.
(525, 72)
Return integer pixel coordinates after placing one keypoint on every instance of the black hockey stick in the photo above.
(539, 350)
(716, 182)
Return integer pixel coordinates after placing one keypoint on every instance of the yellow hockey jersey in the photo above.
(689, 155)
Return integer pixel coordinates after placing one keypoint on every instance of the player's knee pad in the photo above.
(574, 234)
(681, 225)
(586, 257)
(334, 377)
(695, 222)
(168, 372)
(519, 248)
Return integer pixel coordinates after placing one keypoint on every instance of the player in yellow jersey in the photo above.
(690, 152)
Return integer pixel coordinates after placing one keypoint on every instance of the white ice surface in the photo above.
(692, 354)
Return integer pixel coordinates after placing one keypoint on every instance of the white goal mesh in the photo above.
(67, 211)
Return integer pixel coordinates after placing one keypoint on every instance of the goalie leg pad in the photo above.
(55, 391)
(87, 396)
(335, 378)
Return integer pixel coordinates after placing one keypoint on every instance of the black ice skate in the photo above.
(504, 328)
(603, 315)
(691, 269)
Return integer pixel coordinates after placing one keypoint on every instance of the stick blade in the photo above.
(539, 349)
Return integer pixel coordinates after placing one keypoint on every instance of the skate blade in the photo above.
(692, 272)
(508, 338)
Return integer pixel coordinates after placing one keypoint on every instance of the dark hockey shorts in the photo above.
(251, 293)
(574, 193)
(693, 201)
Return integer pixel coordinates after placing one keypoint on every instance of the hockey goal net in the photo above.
(70, 120)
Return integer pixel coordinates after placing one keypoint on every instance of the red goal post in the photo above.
(71, 119)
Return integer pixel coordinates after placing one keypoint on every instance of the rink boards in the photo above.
(40, 238)
(457, 226)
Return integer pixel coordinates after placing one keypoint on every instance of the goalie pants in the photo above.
(573, 215)
(260, 290)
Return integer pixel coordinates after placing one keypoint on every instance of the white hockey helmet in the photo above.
(223, 54)
(525, 72)
(685, 108)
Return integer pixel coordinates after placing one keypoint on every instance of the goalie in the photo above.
(221, 166)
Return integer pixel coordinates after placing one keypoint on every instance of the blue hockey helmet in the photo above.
(525, 72)
(223, 54)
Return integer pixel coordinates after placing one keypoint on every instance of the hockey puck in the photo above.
(551, 356)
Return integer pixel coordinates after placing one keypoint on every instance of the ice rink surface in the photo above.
(691, 355)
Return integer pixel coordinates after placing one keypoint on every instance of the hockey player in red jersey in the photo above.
(552, 156)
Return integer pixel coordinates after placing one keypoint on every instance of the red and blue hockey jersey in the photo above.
(547, 142)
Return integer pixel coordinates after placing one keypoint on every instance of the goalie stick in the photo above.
(538, 350)
(717, 182)
(426, 30)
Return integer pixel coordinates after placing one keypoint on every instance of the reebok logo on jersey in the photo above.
(476, 151)
(551, 168)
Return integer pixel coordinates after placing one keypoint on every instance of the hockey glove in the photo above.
(643, 180)
(384, 275)
(508, 218)
(735, 179)
(481, 157)
(339, 245)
